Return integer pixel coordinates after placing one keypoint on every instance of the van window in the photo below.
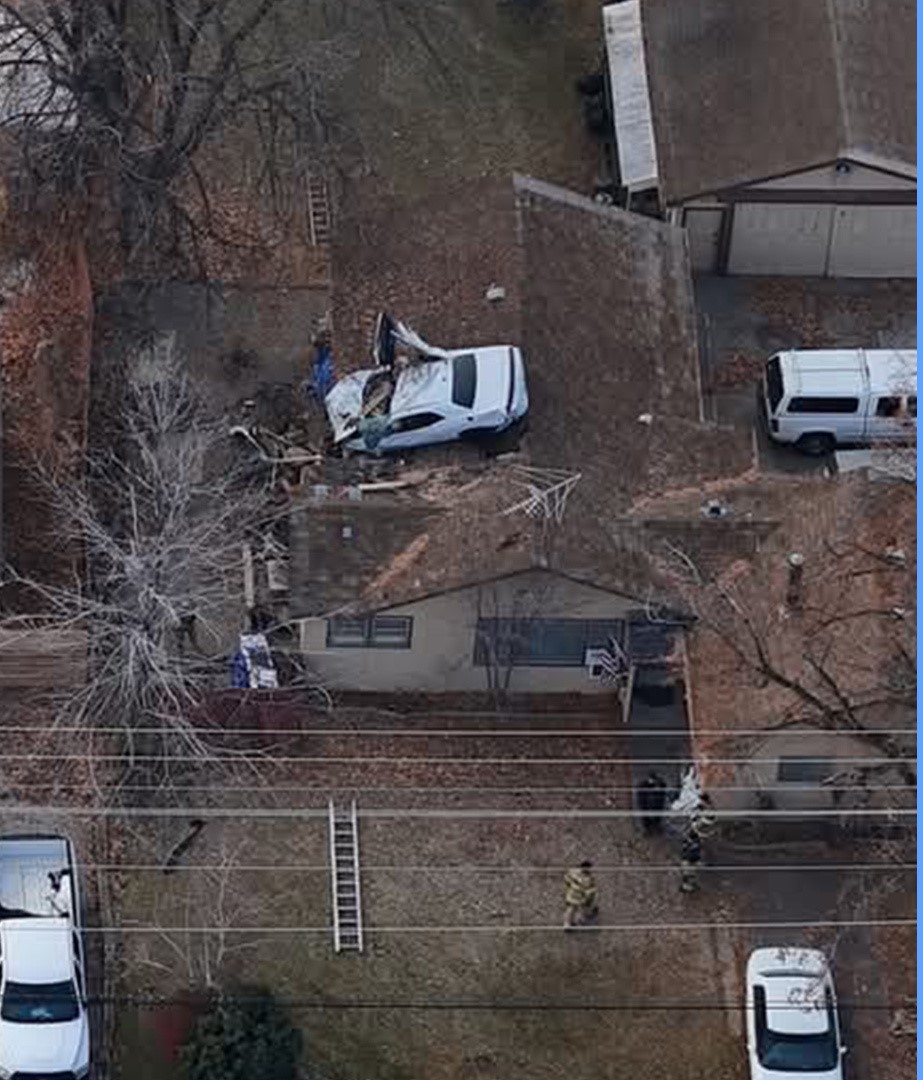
(888, 406)
(774, 388)
(823, 405)
(912, 405)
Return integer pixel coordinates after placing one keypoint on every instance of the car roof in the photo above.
(429, 385)
(796, 1004)
(37, 950)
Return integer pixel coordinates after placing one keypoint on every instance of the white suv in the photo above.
(793, 1031)
(43, 1017)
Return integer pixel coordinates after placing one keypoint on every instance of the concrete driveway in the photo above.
(743, 320)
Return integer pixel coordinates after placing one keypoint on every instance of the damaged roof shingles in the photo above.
(601, 303)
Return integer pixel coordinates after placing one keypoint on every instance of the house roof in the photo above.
(852, 638)
(601, 303)
(744, 92)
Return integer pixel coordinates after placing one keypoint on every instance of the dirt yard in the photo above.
(466, 971)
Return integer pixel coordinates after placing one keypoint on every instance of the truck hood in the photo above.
(37, 1048)
(344, 402)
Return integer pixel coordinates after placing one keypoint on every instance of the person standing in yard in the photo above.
(580, 897)
(652, 798)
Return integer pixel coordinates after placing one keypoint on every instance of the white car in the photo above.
(441, 396)
(793, 1031)
(43, 1019)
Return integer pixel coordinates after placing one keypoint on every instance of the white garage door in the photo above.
(874, 241)
(780, 238)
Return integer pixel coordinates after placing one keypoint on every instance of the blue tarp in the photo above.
(240, 674)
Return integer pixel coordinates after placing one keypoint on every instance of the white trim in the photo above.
(631, 99)
(881, 164)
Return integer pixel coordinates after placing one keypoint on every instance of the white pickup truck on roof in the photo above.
(44, 1032)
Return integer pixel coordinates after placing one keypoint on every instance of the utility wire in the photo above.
(242, 758)
(627, 928)
(385, 812)
(478, 868)
(615, 733)
(272, 789)
(502, 1005)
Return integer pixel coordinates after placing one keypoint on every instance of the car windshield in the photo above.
(464, 380)
(784, 1052)
(39, 1003)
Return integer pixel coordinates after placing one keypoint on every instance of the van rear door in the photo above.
(773, 385)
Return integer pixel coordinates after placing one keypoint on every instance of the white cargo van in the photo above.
(820, 399)
(44, 1030)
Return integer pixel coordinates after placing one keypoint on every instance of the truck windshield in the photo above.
(39, 1003)
(775, 391)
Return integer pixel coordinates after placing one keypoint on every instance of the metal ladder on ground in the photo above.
(319, 219)
(344, 871)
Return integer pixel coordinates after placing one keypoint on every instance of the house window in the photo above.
(375, 632)
(542, 642)
(804, 770)
(823, 405)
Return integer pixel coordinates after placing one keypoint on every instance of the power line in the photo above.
(645, 928)
(617, 733)
(477, 868)
(243, 758)
(497, 789)
(386, 812)
(502, 1005)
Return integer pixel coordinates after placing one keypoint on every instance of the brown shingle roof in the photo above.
(601, 303)
(744, 91)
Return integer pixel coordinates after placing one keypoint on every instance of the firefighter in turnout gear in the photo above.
(580, 899)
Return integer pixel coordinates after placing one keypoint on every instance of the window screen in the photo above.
(464, 380)
(823, 405)
(804, 770)
(541, 642)
(378, 632)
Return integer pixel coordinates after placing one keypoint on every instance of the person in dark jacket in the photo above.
(690, 858)
(652, 799)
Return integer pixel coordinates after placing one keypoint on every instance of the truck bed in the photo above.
(27, 864)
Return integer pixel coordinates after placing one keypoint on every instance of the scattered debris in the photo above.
(495, 293)
(646, 418)
(548, 491)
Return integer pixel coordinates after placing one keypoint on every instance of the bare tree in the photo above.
(835, 633)
(121, 95)
(161, 521)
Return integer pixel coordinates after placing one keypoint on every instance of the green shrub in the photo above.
(246, 1036)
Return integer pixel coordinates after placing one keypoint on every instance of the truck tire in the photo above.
(816, 444)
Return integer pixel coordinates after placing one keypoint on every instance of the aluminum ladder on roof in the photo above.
(344, 874)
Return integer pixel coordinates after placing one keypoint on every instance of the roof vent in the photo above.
(793, 595)
(715, 509)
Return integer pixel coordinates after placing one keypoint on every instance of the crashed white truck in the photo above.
(44, 1031)
(424, 395)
